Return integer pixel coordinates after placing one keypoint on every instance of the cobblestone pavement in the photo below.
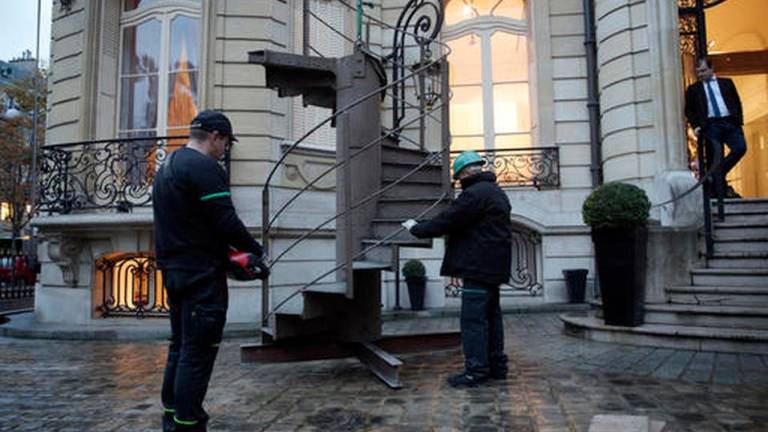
(556, 383)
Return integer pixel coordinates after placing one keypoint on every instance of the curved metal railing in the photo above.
(391, 89)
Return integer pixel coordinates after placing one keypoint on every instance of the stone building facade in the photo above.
(519, 80)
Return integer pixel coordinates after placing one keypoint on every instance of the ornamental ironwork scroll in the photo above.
(131, 285)
(537, 167)
(102, 175)
(692, 25)
(418, 26)
(524, 280)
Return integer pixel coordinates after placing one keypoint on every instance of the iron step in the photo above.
(384, 228)
(392, 154)
(427, 173)
(410, 207)
(407, 189)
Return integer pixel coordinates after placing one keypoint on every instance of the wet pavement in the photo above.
(556, 383)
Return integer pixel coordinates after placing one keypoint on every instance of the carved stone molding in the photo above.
(65, 251)
(306, 171)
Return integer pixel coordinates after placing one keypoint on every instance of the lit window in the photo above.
(159, 70)
(461, 10)
(491, 106)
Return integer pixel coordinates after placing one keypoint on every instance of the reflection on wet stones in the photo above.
(338, 419)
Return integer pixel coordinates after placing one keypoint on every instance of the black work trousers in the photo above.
(482, 330)
(198, 309)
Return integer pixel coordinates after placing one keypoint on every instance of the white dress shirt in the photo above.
(715, 86)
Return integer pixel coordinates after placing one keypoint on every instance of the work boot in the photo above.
(168, 423)
(197, 427)
(465, 380)
(498, 375)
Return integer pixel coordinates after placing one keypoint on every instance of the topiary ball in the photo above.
(414, 269)
(616, 205)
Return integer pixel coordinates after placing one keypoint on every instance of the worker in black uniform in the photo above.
(195, 228)
(479, 251)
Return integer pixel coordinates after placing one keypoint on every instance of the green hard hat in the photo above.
(465, 159)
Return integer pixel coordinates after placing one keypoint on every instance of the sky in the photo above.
(18, 27)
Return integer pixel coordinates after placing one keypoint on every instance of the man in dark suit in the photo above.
(713, 106)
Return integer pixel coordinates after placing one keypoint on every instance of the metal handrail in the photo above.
(427, 160)
(332, 168)
(446, 52)
(268, 222)
(339, 112)
(352, 259)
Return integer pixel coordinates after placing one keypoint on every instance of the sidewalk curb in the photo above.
(23, 325)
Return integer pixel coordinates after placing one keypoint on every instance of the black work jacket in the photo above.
(479, 230)
(195, 221)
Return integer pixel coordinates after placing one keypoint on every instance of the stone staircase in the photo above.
(725, 305)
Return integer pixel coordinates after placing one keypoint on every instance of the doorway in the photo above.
(736, 40)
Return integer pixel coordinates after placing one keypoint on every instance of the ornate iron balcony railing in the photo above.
(130, 284)
(537, 167)
(112, 174)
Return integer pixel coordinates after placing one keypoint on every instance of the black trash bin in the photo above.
(576, 284)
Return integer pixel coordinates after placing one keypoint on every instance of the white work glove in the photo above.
(410, 223)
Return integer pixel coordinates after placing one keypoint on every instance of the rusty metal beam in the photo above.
(377, 356)
(384, 365)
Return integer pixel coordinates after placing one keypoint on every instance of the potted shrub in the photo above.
(415, 276)
(618, 216)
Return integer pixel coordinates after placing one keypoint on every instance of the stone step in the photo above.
(736, 317)
(729, 277)
(744, 204)
(742, 217)
(384, 253)
(428, 173)
(408, 189)
(743, 260)
(741, 244)
(740, 229)
(408, 208)
(715, 295)
(665, 336)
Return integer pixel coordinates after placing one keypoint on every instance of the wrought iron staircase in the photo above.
(379, 183)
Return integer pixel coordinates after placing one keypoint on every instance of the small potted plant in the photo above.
(617, 213)
(415, 276)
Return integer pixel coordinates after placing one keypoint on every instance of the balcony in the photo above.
(535, 167)
(102, 176)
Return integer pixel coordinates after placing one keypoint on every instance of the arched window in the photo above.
(159, 67)
(488, 74)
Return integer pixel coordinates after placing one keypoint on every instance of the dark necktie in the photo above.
(711, 94)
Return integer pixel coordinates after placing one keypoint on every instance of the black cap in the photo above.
(210, 121)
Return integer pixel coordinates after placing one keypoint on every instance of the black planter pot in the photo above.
(416, 288)
(576, 284)
(621, 262)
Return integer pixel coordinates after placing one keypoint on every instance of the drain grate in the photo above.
(338, 419)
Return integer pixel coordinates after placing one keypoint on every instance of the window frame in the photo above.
(484, 27)
(165, 12)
